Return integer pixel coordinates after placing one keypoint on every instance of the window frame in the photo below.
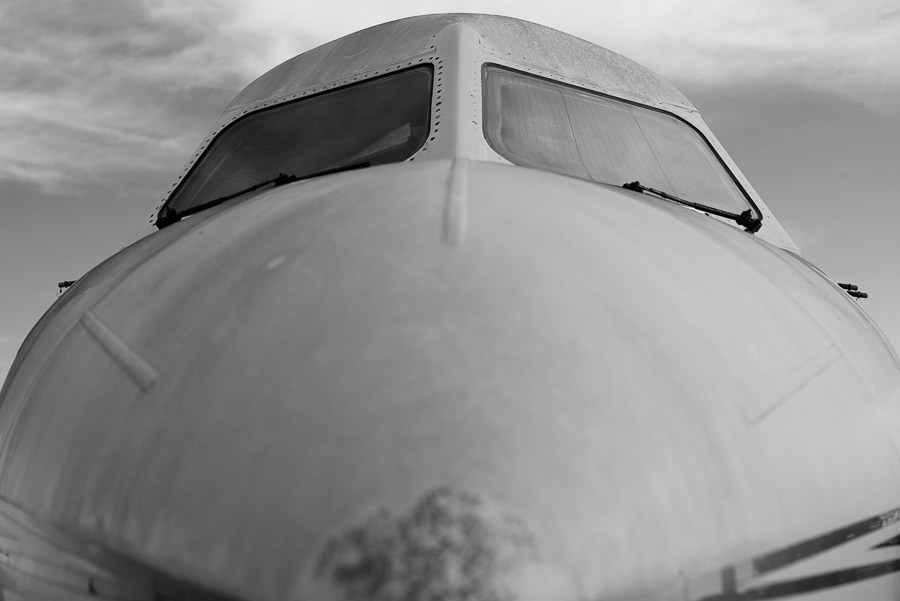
(485, 110)
(160, 221)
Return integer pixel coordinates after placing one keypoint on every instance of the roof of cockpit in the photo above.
(512, 40)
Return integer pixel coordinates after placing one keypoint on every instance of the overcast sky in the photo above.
(103, 101)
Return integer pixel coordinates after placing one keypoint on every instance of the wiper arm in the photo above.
(745, 219)
(169, 215)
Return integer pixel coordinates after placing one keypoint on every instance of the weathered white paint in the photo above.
(652, 392)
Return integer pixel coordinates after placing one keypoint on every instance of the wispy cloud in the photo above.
(90, 85)
(829, 45)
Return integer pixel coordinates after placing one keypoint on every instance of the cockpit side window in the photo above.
(382, 120)
(547, 125)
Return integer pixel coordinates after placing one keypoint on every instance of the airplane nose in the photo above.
(450, 375)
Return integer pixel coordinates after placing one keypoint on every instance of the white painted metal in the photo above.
(604, 394)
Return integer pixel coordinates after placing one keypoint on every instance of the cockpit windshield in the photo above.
(382, 120)
(547, 125)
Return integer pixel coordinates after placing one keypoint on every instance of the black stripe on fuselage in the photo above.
(810, 583)
(802, 551)
(814, 546)
(894, 542)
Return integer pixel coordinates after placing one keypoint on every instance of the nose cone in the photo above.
(572, 367)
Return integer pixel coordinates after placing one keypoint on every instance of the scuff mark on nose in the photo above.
(276, 262)
(452, 546)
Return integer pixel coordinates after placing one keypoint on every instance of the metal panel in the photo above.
(564, 349)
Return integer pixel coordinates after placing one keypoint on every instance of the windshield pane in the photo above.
(383, 120)
(546, 125)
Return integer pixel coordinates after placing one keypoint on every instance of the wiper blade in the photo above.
(745, 219)
(169, 215)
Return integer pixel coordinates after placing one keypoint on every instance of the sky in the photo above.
(103, 101)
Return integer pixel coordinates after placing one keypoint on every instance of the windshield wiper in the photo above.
(168, 215)
(745, 219)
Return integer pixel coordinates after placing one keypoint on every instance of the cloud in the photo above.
(91, 86)
(830, 45)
